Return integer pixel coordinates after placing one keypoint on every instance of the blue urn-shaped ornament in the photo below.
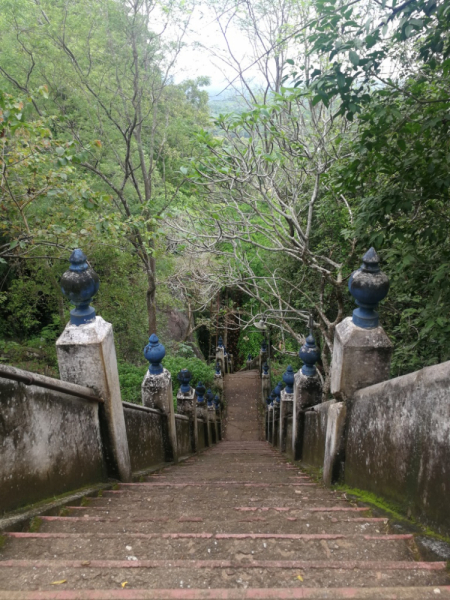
(264, 346)
(249, 358)
(217, 401)
(80, 283)
(218, 368)
(368, 286)
(277, 391)
(154, 352)
(220, 342)
(309, 354)
(184, 377)
(265, 369)
(288, 379)
(200, 391)
(209, 398)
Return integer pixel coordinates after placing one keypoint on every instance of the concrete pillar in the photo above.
(362, 350)
(201, 410)
(212, 423)
(265, 386)
(270, 424)
(220, 355)
(307, 390)
(157, 393)
(262, 358)
(275, 423)
(334, 442)
(285, 411)
(361, 357)
(186, 406)
(218, 380)
(87, 356)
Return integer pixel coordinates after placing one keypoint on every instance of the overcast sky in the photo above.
(195, 61)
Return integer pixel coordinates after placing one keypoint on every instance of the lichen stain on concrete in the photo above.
(50, 444)
(398, 442)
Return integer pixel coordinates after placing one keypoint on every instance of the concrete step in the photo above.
(105, 574)
(373, 593)
(290, 546)
(197, 523)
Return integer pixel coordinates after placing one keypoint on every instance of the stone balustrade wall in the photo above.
(52, 443)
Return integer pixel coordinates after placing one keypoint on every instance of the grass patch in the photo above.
(35, 524)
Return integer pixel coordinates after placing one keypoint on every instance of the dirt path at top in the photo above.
(242, 394)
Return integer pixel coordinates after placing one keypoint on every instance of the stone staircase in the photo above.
(235, 522)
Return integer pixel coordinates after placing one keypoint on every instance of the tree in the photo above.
(265, 205)
(390, 66)
(108, 66)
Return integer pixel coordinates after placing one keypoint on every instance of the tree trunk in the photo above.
(151, 298)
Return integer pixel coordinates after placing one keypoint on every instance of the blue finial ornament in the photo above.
(218, 370)
(265, 369)
(277, 391)
(288, 379)
(200, 391)
(217, 401)
(368, 285)
(249, 358)
(209, 398)
(220, 342)
(309, 354)
(270, 398)
(184, 377)
(154, 352)
(264, 346)
(80, 283)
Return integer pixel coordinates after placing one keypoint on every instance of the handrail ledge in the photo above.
(49, 383)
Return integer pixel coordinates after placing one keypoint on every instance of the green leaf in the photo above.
(354, 58)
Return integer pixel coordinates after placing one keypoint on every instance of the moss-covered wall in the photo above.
(49, 444)
(398, 443)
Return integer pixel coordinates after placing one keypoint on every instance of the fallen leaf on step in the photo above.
(59, 582)
(299, 577)
(124, 583)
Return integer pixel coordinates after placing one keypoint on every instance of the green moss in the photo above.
(3, 539)
(44, 503)
(64, 512)
(35, 524)
(397, 512)
(84, 501)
